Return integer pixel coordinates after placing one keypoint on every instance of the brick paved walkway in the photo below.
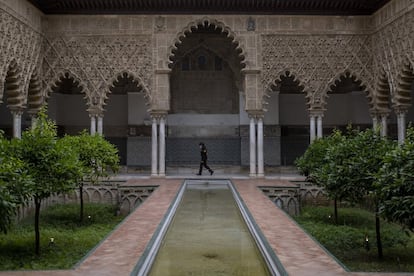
(119, 253)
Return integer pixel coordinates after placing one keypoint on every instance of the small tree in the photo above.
(14, 183)
(97, 156)
(53, 167)
(395, 182)
(370, 149)
(334, 172)
(313, 158)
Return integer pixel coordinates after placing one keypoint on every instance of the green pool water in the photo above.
(208, 237)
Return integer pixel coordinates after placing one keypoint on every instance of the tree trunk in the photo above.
(378, 232)
(336, 210)
(37, 232)
(81, 202)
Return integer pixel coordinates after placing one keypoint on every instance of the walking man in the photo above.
(203, 162)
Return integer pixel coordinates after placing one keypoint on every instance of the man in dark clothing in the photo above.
(203, 162)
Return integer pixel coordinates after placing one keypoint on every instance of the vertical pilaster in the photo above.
(252, 131)
(162, 146)
(154, 150)
(260, 161)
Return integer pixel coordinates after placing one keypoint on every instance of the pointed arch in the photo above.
(285, 73)
(13, 86)
(363, 85)
(69, 75)
(139, 84)
(383, 96)
(207, 22)
(35, 98)
(405, 79)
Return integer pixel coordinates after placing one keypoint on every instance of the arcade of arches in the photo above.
(257, 89)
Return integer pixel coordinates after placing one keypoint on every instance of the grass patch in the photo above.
(72, 239)
(346, 241)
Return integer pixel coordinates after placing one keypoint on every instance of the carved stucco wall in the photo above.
(317, 61)
(95, 50)
(394, 56)
(96, 62)
(20, 48)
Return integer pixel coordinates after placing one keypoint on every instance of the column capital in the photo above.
(16, 111)
(400, 109)
(95, 111)
(316, 112)
(158, 114)
(380, 112)
(32, 112)
(255, 114)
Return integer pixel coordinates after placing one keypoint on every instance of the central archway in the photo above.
(206, 97)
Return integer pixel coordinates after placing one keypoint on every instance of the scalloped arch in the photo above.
(356, 77)
(137, 79)
(283, 73)
(13, 84)
(207, 22)
(65, 74)
(35, 98)
(405, 79)
(383, 92)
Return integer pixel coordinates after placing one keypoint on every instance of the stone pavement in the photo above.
(119, 253)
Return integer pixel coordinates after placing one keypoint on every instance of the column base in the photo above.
(157, 175)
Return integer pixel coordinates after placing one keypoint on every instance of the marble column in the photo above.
(162, 146)
(154, 150)
(17, 123)
(401, 126)
(374, 122)
(252, 146)
(312, 128)
(384, 129)
(260, 161)
(93, 124)
(33, 120)
(319, 126)
(100, 124)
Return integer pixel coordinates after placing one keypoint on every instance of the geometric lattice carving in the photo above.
(394, 51)
(20, 48)
(96, 61)
(317, 61)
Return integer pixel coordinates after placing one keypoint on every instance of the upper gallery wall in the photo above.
(95, 49)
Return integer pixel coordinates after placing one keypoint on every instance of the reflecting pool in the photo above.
(208, 236)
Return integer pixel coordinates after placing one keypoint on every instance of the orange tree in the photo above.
(395, 182)
(52, 165)
(14, 183)
(96, 156)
